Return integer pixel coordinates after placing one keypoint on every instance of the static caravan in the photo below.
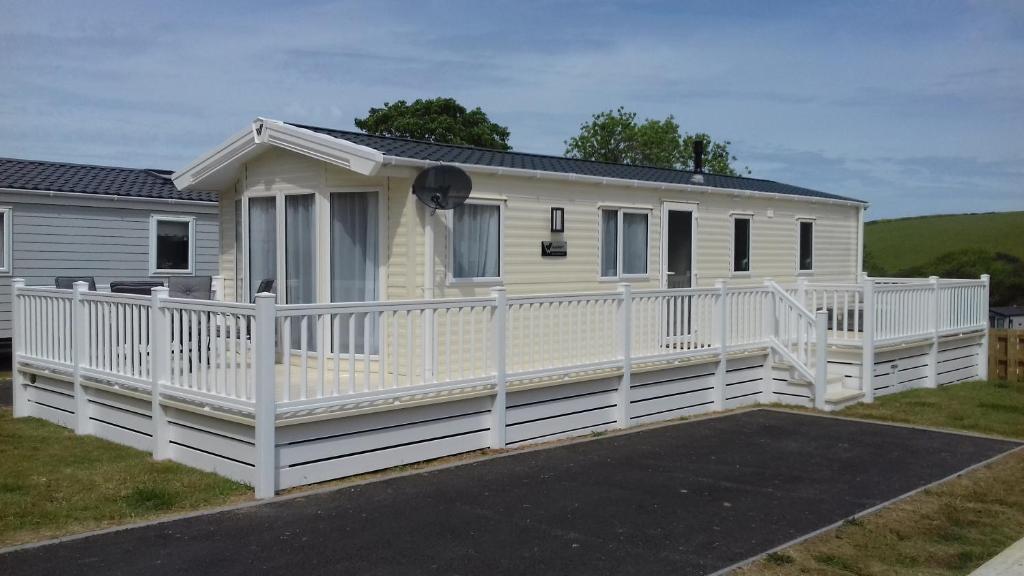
(60, 219)
(330, 213)
(563, 298)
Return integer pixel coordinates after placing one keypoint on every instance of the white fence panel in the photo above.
(117, 335)
(211, 352)
(557, 333)
(45, 314)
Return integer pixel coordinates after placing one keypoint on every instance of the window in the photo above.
(806, 245)
(5, 240)
(476, 241)
(623, 243)
(741, 244)
(171, 244)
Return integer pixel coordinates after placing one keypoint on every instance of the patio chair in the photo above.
(266, 285)
(68, 282)
(194, 287)
(142, 287)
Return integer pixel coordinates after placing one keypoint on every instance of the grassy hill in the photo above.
(952, 246)
(906, 242)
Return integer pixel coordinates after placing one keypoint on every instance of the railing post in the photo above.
(983, 361)
(722, 323)
(264, 396)
(867, 368)
(79, 354)
(932, 381)
(772, 328)
(17, 346)
(498, 408)
(160, 370)
(626, 330)
(820, 358)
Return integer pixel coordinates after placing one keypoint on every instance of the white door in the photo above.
(678, 243)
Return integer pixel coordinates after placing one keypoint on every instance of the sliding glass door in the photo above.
(354, 262)
(262, 243)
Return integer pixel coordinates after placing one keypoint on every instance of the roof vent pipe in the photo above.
(698, 162)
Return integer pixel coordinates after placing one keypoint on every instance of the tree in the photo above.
(615, 136)
(441, 120)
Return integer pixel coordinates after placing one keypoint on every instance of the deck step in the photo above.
(839, 395)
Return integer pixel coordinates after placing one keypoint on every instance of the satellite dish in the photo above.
(442, 187)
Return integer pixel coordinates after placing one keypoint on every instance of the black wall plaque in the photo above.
(554, 248)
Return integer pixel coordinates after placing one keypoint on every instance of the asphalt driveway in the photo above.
(683, 499)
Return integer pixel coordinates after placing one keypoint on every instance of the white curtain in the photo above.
(262, 242)
(476, 237)
(354, 261)
(634, 243)
(609, 243)
(300, 259)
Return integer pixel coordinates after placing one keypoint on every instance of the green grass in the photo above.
(946, 530)
(995, 408)
(54, 483)
(905, 242)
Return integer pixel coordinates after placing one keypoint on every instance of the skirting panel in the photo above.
(958, 361)
(552, 412)
(329, 449)
(901, 369)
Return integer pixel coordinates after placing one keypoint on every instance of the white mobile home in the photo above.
(565, 297)
(60, 219)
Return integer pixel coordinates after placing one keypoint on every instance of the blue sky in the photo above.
(917, 107)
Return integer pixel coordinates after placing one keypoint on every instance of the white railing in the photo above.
(46, 312)
(209, 348)
(673, 323)
(962, 305)
(562, 333)
(843, 302)
(329, 353)
(903, 311)
(347, 350)
(116, 336)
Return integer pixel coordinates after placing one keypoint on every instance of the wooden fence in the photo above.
(1006, 355)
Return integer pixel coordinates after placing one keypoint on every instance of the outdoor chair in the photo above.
(68, 282)
(141, 287)
(194, 287)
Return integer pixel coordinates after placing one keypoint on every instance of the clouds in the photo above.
(917, 110)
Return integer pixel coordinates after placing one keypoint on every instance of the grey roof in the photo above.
(421, 150)
(89, 179)
(1007, 311)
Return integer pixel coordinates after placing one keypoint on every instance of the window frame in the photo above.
(620, 210)
(154, 223)
(800, 221)
(7, 213)
(498, 280)
(734, 217)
